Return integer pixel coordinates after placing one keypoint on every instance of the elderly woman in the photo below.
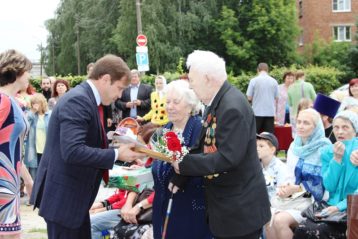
(187, 218)
(303, 161)
(340, 177)
(14, 77)
(38, 118)
(157, 115)
(60, 87)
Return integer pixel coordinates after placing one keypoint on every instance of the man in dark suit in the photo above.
(226, 155)
(135, 100)
(76, 154)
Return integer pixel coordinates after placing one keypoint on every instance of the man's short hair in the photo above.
(209, 64)
(112, 65)
(46, 78)
(262, 67)
(300, 74)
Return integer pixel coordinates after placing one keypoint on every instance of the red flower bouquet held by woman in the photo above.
(171, 144)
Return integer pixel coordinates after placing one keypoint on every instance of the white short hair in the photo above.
(181, 87)
(207, 63)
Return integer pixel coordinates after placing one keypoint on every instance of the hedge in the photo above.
(324, 79)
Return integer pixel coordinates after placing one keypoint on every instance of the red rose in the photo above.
(173, 142)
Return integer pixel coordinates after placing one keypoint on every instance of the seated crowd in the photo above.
(320, 166)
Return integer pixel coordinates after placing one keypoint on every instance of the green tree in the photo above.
(258, 31)
(353, 54)
(83, 27)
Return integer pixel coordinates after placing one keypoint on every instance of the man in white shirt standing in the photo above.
(263, 93)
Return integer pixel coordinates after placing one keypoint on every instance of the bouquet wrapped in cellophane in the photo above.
(169, 143)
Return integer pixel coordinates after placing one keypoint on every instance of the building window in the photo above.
(342, 33)
(300, 9)
(341, 5)
(300, 40)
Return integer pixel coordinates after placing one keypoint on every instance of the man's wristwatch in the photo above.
(140, 205)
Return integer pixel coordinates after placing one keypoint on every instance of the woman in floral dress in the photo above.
(14, 76)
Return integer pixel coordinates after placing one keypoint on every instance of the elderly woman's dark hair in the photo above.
(12, 65)
(351, 83)
(58, 81)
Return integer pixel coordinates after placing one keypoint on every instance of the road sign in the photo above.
(141, 40)
(142, 61)
(141, 49)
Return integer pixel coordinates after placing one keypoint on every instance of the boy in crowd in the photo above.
(274, 170)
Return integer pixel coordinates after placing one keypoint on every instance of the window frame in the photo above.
(336, 31)
(345, 2)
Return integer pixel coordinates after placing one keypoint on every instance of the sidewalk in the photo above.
(34, 226)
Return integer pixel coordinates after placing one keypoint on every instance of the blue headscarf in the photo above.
(308, 167)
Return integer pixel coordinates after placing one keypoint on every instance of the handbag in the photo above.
(317, 207)
(297, 201)
(144, 216)
(125, 230)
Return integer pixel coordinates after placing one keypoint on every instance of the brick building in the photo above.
(328, 19)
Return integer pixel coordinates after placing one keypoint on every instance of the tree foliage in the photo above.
(258, 31)
(243, 32)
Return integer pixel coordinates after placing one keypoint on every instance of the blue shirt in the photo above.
(264, 91)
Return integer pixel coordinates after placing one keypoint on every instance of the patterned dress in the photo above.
(12, 128)
(187, 217)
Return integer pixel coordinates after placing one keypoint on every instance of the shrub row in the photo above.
(324, 79)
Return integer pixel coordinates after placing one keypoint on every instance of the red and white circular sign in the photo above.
(141, 40)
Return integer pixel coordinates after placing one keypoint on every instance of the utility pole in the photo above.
(53, 55)
(139, 17)
(41, 59)
(78, 44)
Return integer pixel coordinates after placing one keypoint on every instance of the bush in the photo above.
(149, 79)
(324, 79)
(241, 82)
(73, 81)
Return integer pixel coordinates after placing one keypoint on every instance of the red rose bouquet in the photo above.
(171, 144)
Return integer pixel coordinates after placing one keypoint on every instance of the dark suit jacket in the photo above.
(237, 200)
(144, 92)
(71, 166)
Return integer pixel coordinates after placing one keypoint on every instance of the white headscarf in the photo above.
(349, 115)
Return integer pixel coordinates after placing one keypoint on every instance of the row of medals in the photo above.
(210, 137)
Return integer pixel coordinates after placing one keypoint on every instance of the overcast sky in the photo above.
(22, 25)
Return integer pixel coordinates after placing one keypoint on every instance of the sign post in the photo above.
(142, 53)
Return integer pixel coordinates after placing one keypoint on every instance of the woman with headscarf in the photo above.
(158, 114)
(340, 178)
(303, 161)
